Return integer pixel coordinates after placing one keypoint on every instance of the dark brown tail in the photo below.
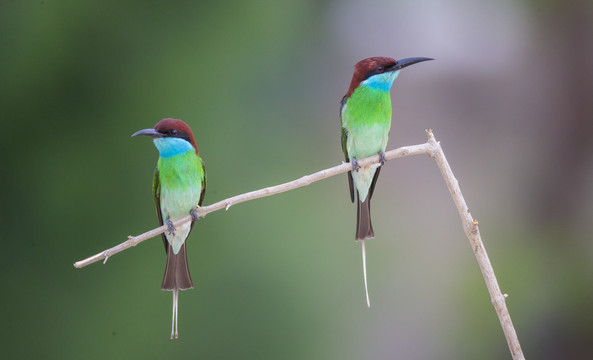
(364, 227)
(177, 272)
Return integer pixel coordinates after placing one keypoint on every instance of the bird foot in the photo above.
(355, 165)
(382, 158)
(194, 215)
(170, 226)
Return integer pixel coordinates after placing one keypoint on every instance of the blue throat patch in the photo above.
(171, 146)
(381, 81)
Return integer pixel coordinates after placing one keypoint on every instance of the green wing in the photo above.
(203, 192)
(345, 150)
(156, 196)
(203, 180)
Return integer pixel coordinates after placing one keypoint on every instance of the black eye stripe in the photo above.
(374, 71)
(178, 134)
(184, 136)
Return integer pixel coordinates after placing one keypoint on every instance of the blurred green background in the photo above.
(510, 97)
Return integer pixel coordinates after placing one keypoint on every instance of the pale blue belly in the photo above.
(175, 205)
(361, 143)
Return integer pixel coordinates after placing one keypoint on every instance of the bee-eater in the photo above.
(365, 115)
(178, 188)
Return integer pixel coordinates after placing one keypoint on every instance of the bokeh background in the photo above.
(510, 97)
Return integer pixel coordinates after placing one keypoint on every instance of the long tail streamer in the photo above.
(364, 272)
(174, 322)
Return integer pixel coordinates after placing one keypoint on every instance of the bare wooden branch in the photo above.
(470, 226)
(269, 191)
(431, 148)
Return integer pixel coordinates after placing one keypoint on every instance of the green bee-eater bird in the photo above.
(365, 114)
(178, 188)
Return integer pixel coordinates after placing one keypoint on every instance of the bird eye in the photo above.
(173, 132)
(380, 69)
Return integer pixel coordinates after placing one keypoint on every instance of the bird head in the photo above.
(379, 72)
(171, 137)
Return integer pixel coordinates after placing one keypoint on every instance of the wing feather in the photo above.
(345, 150)
(156, 196)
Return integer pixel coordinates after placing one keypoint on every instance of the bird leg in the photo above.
(382, 158)
(170, 226)
(194, 215)
(355, 165)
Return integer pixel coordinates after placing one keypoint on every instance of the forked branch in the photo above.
(431, 148)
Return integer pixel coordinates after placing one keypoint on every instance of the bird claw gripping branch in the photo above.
(382, 158)
(355, 166)
(194, 215)
(170, 226)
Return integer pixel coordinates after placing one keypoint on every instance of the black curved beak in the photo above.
(148, 132)
(402, 63)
